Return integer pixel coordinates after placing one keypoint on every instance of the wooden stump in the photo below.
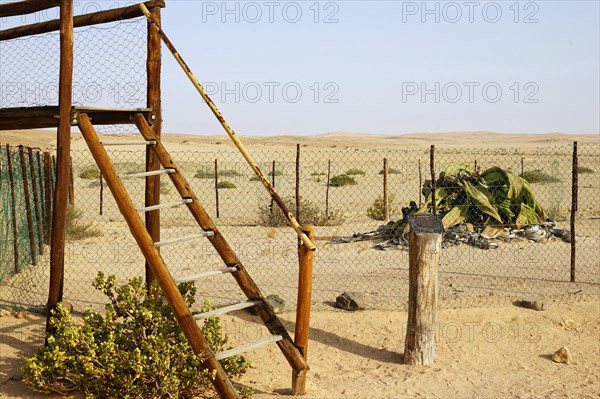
(425, 242)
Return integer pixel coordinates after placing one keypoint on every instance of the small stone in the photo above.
(17, 376)
(567, 324)
(536, 304)
(563, 355)
(351, 301)
(21, 314)
(276, 302)
(5, 313)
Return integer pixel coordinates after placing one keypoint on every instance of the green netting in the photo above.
(21, 210)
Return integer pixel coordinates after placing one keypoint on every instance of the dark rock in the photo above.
(536, 304)
(276, 302)
(351, 301)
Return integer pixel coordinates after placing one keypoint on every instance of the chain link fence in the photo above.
(341, 191)
(26, 183)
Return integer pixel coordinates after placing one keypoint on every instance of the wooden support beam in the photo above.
(63, 151)
(26, 7)
(101, 17)
(425, 243)
(153, 101)
(47, 116)
(305, 274)
(28, 211)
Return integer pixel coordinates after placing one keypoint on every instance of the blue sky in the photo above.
(386, 66)
(389, 67)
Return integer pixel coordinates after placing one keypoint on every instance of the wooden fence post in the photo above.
(217, 187)
(272, 184)
(574, 194)
(27, 198)
(327, 190)
(11, 179)
(298, 183)
(71, 183)
(101, 194)
(425, 241)
(386, 205)
(420, 185)
(36, 202)
(48, 181)
(433, 181)
(303, 308)
(63, 150)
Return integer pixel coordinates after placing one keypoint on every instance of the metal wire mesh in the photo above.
(109, 69)
(516, 267)
(22, 226)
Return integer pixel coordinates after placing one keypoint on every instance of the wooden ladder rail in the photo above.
(189, 326)
(248, 286)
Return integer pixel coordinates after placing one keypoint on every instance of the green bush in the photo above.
(135, 350)
(377, 212)
(392, 171)
(309, 214)
(89, 173)
(205, 174)
(210, 173)
(342, 180)
(355, 172)
(225, 184)
(584, 169)
(539, 176)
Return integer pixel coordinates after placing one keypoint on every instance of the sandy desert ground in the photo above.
(487, 347)
(501, 351)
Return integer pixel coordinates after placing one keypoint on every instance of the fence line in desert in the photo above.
(353, 190)
(24, 207)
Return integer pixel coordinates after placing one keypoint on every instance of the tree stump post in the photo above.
(425, 241)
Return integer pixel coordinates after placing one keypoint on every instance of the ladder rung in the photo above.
(227, 309)
(165, 205)
(198, 276)
(248, 347)
(115, 143)
(182, 239)
(146, 174)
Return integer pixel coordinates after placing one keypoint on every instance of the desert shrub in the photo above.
(210, 173)
(377, 212)
(228, 173)
(584, 169)
(539, 176)
(76, 229)
(318, 174)
(135, 349)
(392, 171)
(342, 180)
(355, 172)
(89, 173)
(310, 213)
(205, 174)
(225, 184)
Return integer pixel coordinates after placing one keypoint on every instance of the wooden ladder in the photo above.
(168, 285)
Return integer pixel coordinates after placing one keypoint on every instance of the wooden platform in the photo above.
(47, 117)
